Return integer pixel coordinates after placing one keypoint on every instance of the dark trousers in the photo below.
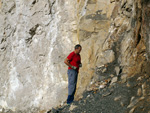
(72, 82)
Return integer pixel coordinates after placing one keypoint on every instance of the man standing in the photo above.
(73, 61)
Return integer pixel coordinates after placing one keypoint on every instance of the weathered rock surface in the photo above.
(35, 38)
(128, 40)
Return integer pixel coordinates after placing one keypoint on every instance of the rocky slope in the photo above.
(37, 35)
(122, 95)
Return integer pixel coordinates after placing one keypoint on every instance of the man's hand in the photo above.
(80, 65)
(73, 67)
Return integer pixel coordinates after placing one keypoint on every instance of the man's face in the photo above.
(78, 50)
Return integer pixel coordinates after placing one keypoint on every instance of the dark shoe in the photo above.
(69, 103)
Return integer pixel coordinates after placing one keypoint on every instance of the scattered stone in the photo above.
(128, 85)
(107, 81)
(114, 80)
(72, 107)
(88, 96)
(117, 69)
(93, 87)
(97, 83)
(124, 78)
(132, 98)
(95, 90)
(132, 110)
(141, 98)
(122, 104)
(102, 86)
(144, 89)
(139, 78)
(100, 66)
(104, 70)
(117, 98)
(63, 103)
(133, 103)
(105, 65)
(111, 75)
(139, 92)
(107, 94)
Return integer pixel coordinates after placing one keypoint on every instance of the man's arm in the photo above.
(67, 62)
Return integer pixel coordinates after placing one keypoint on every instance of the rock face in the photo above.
(93, 26)
(35, 38)
(37, 35)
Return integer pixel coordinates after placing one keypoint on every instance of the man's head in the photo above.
(78, 48)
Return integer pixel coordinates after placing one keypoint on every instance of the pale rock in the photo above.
(124, 78)
(122, 104)
(132, 110)
(133, 103)
(132, 98)
(88, 96)
(102, 86)
(111, 75)
(139, 78)
(114, 80)
(117, 98)
(144, 89)
(117, 69)
(139, 92)
(72, 107)
(104, 70)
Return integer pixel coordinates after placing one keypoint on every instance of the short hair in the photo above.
(77, 46)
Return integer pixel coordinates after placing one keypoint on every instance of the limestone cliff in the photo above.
(37, 35)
